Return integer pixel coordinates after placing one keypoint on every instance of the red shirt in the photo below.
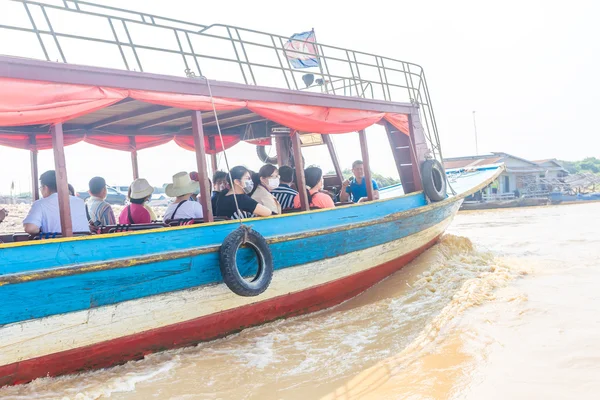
(139, 215)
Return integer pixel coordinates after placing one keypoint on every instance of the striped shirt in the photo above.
(285, 196)
(99, 210)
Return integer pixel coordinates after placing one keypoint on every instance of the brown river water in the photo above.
(506, 306)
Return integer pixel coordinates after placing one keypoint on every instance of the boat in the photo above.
(76, 301)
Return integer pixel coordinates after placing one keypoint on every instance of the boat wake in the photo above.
(355, 350)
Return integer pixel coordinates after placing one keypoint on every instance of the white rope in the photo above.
(212, 100)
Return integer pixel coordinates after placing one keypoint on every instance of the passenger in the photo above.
(284, 194)
(219, 184)
(71, 190)
(240, 185)
(3, 214)
(355, 189)
(44, 215)
(153, 216)
(314, 183)
(184, 206)
(265, 181)
(136, 212)
(100, 213)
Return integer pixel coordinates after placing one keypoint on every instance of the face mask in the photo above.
(248, 186)
(273, 183)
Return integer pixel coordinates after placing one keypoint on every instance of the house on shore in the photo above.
(520, 178)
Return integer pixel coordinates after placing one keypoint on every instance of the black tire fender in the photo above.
(264, 157)
(228, 262)
(433, 177)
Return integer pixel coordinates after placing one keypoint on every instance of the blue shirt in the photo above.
(358, 190)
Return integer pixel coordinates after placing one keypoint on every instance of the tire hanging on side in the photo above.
(433, 177)
(228, 262)
(264, 157)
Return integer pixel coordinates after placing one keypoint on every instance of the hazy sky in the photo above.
(529, 69)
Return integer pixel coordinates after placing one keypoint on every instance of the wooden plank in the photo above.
(60, 166)
(300, 179)
(362, 136)
(282, 145)
(419, 148)
(334, 158)
(134, 159)
(205, 189)
(401, 150)
(35, 184)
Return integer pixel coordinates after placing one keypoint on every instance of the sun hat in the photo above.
(140, 188)
(182, 184)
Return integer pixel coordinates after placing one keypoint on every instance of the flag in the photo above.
(301, 50)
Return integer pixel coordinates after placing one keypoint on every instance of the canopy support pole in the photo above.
(282, 144)
(60, 166)
(35, 187)
(362, 136)
(334, 157)
(300, 180)
(205, 189)
(400, 144)
(213, 155)
(134, 159)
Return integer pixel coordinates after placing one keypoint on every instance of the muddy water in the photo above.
(506, 306)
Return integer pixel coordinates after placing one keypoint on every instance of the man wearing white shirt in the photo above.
(44, 215)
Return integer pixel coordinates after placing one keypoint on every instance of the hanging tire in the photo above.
(228, 262)
(434, 180)
(264, 157)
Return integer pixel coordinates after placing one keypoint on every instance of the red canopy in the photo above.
(24, 102)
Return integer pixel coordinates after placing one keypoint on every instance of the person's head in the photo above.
(48, 183)
(140, 191)
(240, 179)
(314, 178)
(219, 181)
(71, 189)
(98, 187)
(358, 169)
(268, 176)
(286, 174)
(182, 186)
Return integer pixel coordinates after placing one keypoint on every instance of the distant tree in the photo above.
(589, 164)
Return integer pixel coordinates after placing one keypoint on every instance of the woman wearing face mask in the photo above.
(314, 183)
(240, 185)
(265, 181)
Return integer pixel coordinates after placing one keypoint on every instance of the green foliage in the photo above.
(589, 164)
(382, 181)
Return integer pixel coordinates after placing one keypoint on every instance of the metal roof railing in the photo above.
(81, 32)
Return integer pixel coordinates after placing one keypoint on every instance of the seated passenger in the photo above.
(264, 181)
(153, 216)
(71, 190)
(184, 206)
(3, 214)
(44, 215)
(100, 213)
(241, 184)
(314, 183)
(136, 212)
(219, 182)
(284, 194)
(355, 188)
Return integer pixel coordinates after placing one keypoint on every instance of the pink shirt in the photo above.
(139, 215)
(319, 199)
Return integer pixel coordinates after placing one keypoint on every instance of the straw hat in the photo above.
(140, 188)
(182, 184)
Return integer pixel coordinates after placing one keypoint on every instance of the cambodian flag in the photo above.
(301, 50)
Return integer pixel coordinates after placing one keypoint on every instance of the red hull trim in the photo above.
(134, 347)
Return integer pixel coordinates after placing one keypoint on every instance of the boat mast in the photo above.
(62, 185)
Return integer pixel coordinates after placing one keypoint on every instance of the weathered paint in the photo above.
(36, 298)
(38, 348)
